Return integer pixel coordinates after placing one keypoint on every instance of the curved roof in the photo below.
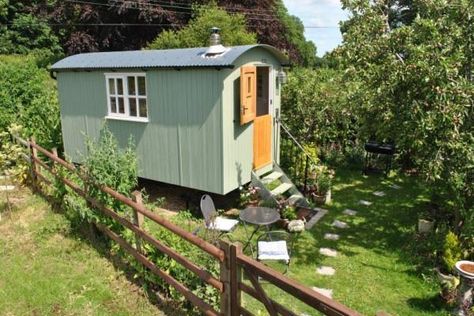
(167, 58)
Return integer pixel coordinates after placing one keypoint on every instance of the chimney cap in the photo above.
(215, 48)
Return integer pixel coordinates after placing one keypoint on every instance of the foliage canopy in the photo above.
(196, 33)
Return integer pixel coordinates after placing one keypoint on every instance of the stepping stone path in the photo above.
(328, 252)
(349, 212)
(394, 186)
(379, 193)
(329, 236)
(340, 224)
(7, 187)
(364, 202)
(323, 270)
(325, 292)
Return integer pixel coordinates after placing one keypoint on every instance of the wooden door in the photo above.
(248, 94)
(262, 141)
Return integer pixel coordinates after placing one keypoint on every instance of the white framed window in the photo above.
(127, 96)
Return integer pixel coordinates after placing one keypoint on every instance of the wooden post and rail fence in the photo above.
(233, 263)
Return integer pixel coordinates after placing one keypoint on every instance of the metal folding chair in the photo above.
(212, 220)
(275, 245)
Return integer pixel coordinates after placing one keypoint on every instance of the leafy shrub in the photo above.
(196, 33)
(451, 251)
(108, 165)
(11, 161)
(289, 212)
(316, 109)
(28, 98)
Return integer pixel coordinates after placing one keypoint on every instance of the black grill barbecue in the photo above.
(378, 151)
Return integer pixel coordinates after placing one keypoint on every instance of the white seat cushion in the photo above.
(273, 250)
(223, 224)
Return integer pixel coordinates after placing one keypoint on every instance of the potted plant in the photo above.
(249, 196)
(319, 185)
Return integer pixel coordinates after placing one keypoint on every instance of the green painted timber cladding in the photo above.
(182, 142)
(193, 137)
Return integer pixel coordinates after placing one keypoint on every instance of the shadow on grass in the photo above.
(428, 304)
(388, 225)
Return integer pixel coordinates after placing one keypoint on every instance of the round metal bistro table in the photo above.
(259, 216)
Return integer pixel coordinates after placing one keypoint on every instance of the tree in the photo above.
(21, 32)
(306, 50)
(196, 33)
(417, 89)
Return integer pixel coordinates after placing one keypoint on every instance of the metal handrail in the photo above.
(296, 141)
(295, 161)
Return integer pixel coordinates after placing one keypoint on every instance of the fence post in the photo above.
(55, 153)
(230, 277)
(138, 218)
(34, 165)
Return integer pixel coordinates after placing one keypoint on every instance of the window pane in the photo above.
(121, 106)
(119, 86)
(113, 105)
(133, 106)
(111, 86)
(143, 109)
(131, 85)
(141, 86)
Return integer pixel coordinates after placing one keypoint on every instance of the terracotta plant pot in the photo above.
(253, 203)
(319, 199)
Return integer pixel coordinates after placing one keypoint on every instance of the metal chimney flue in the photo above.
(215, 47)
(215, 38)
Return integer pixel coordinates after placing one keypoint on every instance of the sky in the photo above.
(320, 13)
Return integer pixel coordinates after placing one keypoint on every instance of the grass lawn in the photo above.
(376, 266)
(46, 269)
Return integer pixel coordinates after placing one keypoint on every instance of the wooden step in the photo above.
(282, 188)
(272, 177)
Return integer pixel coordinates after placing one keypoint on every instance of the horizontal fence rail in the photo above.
(233, 263)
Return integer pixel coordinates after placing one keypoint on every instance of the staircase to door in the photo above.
(275, 183)
(289, 179)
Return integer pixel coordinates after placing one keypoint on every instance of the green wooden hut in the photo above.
(202, 118)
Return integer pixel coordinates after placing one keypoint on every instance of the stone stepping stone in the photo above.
(7, 187)
(379, 193)
(340, 224)
(349, 212)
(328, 252)
(394, 186)
(329, 236)
(325, 292)
(323, 270)
(364, 202)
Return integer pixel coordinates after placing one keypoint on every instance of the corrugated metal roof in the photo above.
(168, 58)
